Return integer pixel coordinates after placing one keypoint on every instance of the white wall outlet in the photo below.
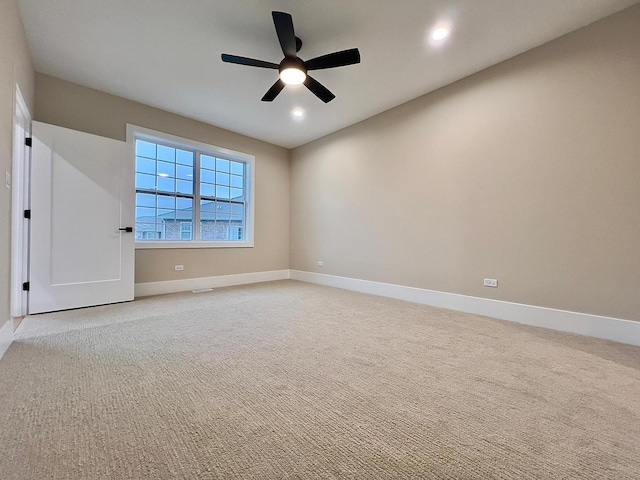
(320, 263)
(491, 282)
(7, 179)
(179, 268)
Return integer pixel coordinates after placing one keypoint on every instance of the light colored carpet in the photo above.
(293, 380)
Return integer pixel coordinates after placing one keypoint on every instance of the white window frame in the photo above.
(135, 132)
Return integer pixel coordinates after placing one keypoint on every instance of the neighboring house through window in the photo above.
(182, 184)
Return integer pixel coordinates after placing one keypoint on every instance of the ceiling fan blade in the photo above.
(273, 92)
(284, 28)
(318, 89)
(251, 62)
(337, 59)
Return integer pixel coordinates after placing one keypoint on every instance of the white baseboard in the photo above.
(608, 328)
(6, 336)
(188, 284)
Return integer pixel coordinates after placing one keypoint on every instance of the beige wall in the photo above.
(528, 172)
(15, 67)
(69, 105)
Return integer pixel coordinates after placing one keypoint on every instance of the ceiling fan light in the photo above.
(292, 76)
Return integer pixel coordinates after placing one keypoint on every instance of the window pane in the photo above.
(166, 184)
(146, 231)
(186, 173)
(166, 214)
(237, 212)
(237, 168)
(184, 203)
(223, 212)
(147, 182)
(236, 181)
(207, 176)
(144, 213)
(236, 193)
(166, 169)
(166, 153)
(185, 186)
(222, 179)
(207, 162)
(208, 210)
(165, 201)
(185, 209)
(145, 200)
(145, 149)
(207, 190)
(222, 165)
(185, 158)
(153, 235)
(208, 231)
(222, 192)
(212, 228)
(144, 165)
(171, 229)
(186, 214)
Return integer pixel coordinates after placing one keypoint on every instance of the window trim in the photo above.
(135, 132)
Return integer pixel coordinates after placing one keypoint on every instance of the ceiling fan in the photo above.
(293, 70)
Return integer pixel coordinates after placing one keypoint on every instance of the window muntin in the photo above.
(178, 186)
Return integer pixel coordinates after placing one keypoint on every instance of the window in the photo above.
(186, 229)
(182, 184)
(151, 235)
(234, 233)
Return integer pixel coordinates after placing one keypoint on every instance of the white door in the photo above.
(82, 199)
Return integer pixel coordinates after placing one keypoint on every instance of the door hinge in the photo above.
(28, 141)
(27, 214)
(25, 286)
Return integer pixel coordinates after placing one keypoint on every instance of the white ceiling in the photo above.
(166, 53)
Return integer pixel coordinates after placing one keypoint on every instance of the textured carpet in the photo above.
(293, 380)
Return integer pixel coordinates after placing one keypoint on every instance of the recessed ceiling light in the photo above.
(440, 33)
(297, 113)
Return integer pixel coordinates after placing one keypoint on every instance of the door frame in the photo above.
(21, 167)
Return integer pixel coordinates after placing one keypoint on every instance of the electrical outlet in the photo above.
(179, 268)
(491, 282)
(320, 263)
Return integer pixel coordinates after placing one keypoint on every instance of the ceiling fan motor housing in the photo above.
(292, 62)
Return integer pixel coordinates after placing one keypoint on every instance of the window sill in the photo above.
(178, 244)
